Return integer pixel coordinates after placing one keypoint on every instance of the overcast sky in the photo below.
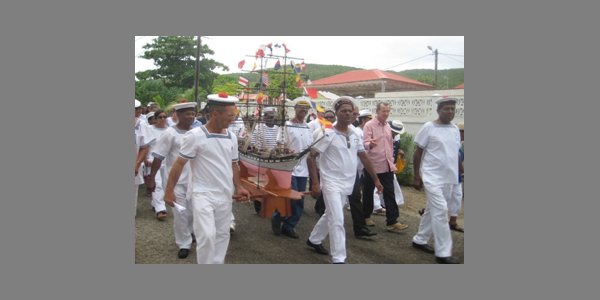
(394, 53)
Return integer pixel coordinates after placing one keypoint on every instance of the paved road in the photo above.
(254, 243)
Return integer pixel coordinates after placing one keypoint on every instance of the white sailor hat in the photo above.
(150, 104)
(137, 103)
(150, 115)
(397, 126)
(335, 105)
(302, 101)
(445, 99)
(364, 113)
(222, 99)
(184, 105)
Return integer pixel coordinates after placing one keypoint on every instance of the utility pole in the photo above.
(435, 52)
(197, 70)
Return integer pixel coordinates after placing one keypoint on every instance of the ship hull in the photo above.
(277, 173)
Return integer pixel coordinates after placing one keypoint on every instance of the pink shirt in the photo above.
(381, 156)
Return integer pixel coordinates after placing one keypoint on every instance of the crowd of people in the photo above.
(188, 161)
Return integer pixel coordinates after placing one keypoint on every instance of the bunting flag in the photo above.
(293, 66)
(270, 46)
(254, 66)
(241, 63)
(312, 93)
(313, 104)
(324, 123)
(277, 46)
(303, 66)
(265, 78)
(286, 48)
(299, 82)
(260, 53)
(277, 65)
(243, 81)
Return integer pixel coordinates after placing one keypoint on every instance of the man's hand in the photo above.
(315, 190)
(242, 195)
(379, 187)
(417, 182)
(372, 143)
(169, 198)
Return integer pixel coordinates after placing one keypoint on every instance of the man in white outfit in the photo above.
(167, 148)
(338, 153)
(137, 128)
(436, 166)
(213, 155)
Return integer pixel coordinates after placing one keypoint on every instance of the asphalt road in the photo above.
(254, 243)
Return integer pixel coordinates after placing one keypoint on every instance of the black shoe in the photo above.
(364, 232)
(276, 225)
(290, 233)
(319, 248)
(446, 260)
(425, 248)
(339, 263)
(183, 253)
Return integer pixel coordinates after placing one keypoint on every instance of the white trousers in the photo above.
(158, 196)
(332, 223)
(211, 219)
(137, 188)
(182, 221)
(455, 202)
(435, 220)
(378, 202)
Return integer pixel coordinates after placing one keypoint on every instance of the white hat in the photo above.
(397, 126)
(150, 115)
(150, 104)
(344, 98)
(364, 113)
(222, 99)
(445, 99)
(183, 105)
(137, 103)
(302, 100)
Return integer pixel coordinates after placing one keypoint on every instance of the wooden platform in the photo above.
(271, 199)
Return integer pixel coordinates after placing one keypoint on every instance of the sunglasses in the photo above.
(330, 117)
(161, 117)
(347, 141)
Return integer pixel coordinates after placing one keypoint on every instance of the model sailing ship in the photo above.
(270, 165)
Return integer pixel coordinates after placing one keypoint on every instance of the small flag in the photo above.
(286, 48)
(260, 53)
(243, 81)
(254, 66)
(265, 78)
(270, 46)
(241, 63)
(302, 66)
(312, 93)
(277, 65)
(259, 97)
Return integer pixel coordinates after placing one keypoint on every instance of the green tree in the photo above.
(276, 86)
(227, 84)
(175, 57)
(147, 90)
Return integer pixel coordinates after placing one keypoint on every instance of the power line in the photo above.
(462, 62)
(452, 54)
(407, 61)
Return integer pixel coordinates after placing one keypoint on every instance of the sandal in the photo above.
(455, 227)
(161, 215)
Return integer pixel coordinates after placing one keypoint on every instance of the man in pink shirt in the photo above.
(379, 145)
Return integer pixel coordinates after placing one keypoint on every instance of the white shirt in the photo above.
(211, 156)
(137, 129)
(238, 128)
(337, 161)
(314, 125)
(440, 144)
(167, 149)
(299, 137)
(150, 135)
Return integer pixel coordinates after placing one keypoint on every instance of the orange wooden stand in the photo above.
(272, 197)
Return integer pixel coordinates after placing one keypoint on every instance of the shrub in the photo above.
(407, 144)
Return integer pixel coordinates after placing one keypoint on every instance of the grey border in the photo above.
(66, 218)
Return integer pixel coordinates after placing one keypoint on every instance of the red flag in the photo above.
(243, 81)
(241, 63)
(259, 98)
(285, 47)
(260, 53)
(265, 78)
(312, 93)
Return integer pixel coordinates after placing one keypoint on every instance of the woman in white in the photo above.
(150, 135)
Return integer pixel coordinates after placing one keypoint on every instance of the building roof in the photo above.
(366, 75)
(460, 86)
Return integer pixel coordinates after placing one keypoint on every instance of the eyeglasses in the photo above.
(347, 141)
(161, 117)
(330, 117)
